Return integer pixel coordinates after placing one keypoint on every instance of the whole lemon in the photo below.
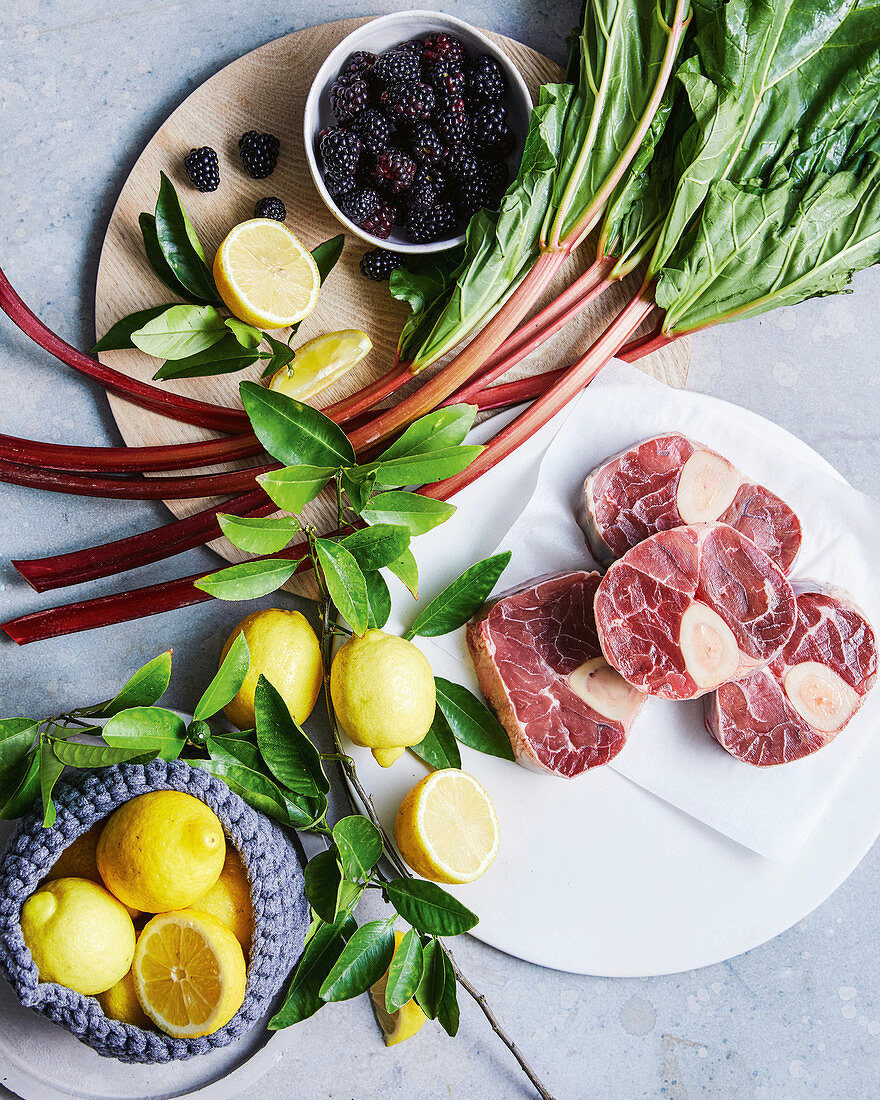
(78, 934)
(284, 649)
(120, 1002)
(383, 692)
(79, 860)
(161, 851)
(229, 900)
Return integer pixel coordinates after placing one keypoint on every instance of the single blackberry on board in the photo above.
(448, 79)
(427, 189)
(349, 95)
(270, 208)
(473, 195)
(489, 130)
(425, 145)
(359, 204)
(259, 153)
(396, 66)
(340, 151)
(408, 102)
(462, 163)
(378, 263)
(424, 226)
(394, 170)
(373, 129)
(359, 62)
(203, 168)
(444, 47)
(486, 79)
(451, 120)
(381, 221)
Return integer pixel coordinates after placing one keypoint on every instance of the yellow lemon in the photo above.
(229, 900)
(406, 1021)
(265, 275)
(383, 692)
(189, 973)
(79, 860)
(120, 1002)
(284, 649)
(446, 828)
(161, 851)
(319, 363)
(78, 934)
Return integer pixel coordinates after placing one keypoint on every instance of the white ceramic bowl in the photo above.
(379, 35)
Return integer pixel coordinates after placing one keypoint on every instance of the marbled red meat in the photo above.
(692, 608)
(806, 696)
(539, 664)
(671, 480)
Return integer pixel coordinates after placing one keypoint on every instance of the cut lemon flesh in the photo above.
(447, 829)
(189, 973)
(320, 362)
(265, 275)
(406, 1021)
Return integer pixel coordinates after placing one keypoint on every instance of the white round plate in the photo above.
(598, 876)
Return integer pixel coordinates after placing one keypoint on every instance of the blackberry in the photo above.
(486, 79)
(394, 170)
(489, 130)
(461, 163)
(423, 226)
(408, 102)
(340, 151)
(359, 62)
(381, 221)
(359, 205)
(378, 263)
(349, 95)
(396, 66)
(270, 208)
(451, 120)
(427, 189)
(425, 144)
(203, 168)
(259, 153)
(473, 195)
(446, 78)
(444, 47)
(373, 129)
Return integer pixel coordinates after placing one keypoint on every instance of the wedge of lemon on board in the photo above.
(189, 973)
(320, 362)
(406, 1021)
(446, 828)
(265, 275)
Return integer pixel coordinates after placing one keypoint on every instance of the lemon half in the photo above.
(265, 275)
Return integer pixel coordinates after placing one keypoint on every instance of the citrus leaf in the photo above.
(256, 535)
(418, 513)
(144, 688)
(292, 432)
(447, 1009)
(460, 600)
(248, 580)
(146, 729)
(227, 681)
(439, 430)
(180, 245)
(379, 599)
(323, 879)
(247, 336)
(50, 771)
(405, 972)
(406, 569)
(378, 546)
(430, 990)
(160, 265)
(438, 747)
(324, 945)
(180, 331)
(428, 907)
(75, 755)
(292, 487)
(226, 356)
(345, 583)
(290, 756)
(359, 843)
(363, 961)
(471, 720)
(422, 469)
(118, 337)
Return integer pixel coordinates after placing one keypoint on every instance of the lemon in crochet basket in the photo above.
(267, 853)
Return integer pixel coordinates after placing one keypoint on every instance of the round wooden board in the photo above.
(266, 90)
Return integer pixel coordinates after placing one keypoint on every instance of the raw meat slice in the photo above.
(805, 697)
(671, 480)
(539, 664)
(689, 609)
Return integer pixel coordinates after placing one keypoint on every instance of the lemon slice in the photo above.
(446, 827)
(189, 973)
(265, 275)
(406, 1021)
(320, 362)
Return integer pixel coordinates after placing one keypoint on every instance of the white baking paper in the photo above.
(669, 753)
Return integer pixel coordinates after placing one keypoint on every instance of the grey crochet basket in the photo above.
(281, 912)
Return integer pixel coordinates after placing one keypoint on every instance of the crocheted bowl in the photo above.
(281, 912)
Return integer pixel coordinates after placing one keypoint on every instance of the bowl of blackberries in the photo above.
(414, 123)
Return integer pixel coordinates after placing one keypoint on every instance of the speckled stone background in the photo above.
(83, 85)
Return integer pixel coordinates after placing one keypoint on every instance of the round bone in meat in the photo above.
(689, 609)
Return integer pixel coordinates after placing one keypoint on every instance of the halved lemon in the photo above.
(406, 1021)
(446, 827)
(320, 362)
(189, 973)
(265, 275)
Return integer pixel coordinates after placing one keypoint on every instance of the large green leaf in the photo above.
(147, 729)
(227, 681)
(471, 720)
(363, 961)
(180, 245)
(418, 513)
(292, 487)
(461, 599)
(429, 907)
(345, 583)
(293, 432)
